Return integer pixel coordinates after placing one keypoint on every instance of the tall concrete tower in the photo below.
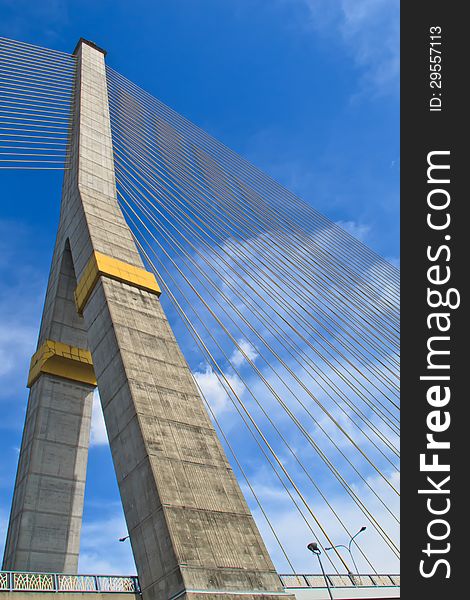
(191, 531)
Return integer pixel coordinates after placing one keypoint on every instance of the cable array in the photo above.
(36, 95)
(290, 324)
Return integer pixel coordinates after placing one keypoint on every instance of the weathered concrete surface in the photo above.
(361, 593)
(190, 527)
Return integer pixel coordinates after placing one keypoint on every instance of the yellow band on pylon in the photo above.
(100, 264)
(64, 361)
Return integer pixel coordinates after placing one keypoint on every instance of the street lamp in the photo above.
(348, 547)
(313, 547)
(124, 538)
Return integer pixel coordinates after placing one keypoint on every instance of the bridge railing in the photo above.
(15, 581)
(318, 581)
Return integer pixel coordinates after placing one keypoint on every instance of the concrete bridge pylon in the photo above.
(191, 531)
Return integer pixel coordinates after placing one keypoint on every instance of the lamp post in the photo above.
(313, 547)
(348, 547)
(123, 539)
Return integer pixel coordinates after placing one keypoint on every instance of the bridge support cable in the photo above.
(285, 308)
(236, 310)
(186, 169)
(173, 195)
(36, 97)
(251, 424)
(172, 242)
(160, 191)
(359, 257)
(342, 327)
(232, 393)
(269, 366)
(163, 249)
(290, 324)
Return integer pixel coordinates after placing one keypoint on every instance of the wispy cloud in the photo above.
(99, 435)
(288, 381)
(369, 30)
(100, 549)
(3, 529)
(210, 385)
(357, 230)
(244, 353)
(394, 260)
(21, 298)
(22, 19)
(213, 390)
(294, 535)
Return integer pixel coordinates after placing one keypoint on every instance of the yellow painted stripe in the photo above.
(106, 266)
(64, 361)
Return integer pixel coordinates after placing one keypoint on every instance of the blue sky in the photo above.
(305, 89)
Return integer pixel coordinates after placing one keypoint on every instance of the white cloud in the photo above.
(16, 346)
(240, 355)
(100, 549)
(99, 435)
(213, 390)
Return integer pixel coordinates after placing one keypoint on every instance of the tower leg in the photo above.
(46, 514)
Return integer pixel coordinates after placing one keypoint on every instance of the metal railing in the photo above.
(15, 581)
(318, 581)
